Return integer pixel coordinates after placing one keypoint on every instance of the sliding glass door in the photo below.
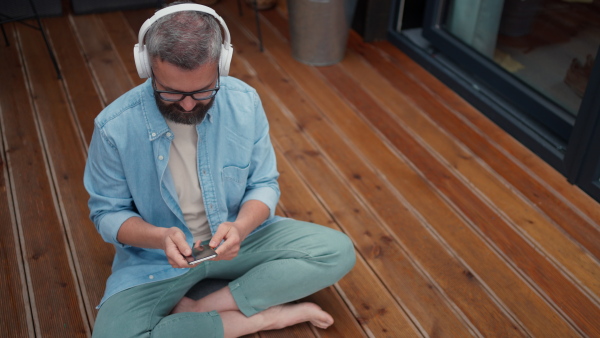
(538, 53)
(529, 65)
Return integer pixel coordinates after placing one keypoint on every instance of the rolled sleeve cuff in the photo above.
(110, 224)
(267, 195)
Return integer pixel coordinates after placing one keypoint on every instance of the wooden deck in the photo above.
(460, 230)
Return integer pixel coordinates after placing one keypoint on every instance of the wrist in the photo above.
(161, 234)
(243, 229)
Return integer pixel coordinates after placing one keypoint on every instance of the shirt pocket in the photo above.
(234, 184)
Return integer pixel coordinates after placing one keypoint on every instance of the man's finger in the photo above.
(219, 235)
(222, 249)
(175, 257)
(181, 244)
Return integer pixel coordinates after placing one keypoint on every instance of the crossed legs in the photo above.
(284, 262)
(236, 324)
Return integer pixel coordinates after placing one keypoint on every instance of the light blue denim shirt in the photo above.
(127, 173)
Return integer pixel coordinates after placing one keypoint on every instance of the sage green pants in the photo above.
(286, 261)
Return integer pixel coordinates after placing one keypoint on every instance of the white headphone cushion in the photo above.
(225, 60)
(142, 63)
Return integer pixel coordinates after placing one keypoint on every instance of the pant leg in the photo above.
(143, 311)
(286, 261)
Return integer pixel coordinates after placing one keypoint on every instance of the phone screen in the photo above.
(201, 254)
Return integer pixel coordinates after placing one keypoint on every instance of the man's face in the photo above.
(168, 77)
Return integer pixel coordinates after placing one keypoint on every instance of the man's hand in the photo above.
(232, 237)
(176, 248)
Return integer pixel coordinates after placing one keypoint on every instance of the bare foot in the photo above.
(278, 317)
(185, 305)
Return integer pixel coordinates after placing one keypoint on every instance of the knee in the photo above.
(343, 253)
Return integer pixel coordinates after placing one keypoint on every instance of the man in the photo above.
(185, 160)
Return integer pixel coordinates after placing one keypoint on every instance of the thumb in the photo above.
(180, 242)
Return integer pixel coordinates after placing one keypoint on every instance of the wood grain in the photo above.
(99, 51)
(15, 312)
(67, 162)
(498, 149)
(52, 283)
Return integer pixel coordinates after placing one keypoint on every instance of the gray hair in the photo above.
(186, 39)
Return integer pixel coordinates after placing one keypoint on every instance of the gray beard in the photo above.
(174, 112)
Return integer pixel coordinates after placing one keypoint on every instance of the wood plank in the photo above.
(569, 194)
(67, 163)
(415, 293)
(105, 63)
(503, 283)
(137, 18)
(254, 335)
(123, 38)
(51, 282)
(302, 330)
(308, 125)
(557, 288)
(524, 257)
(391, 319)
(14, 309)
(345, 325)
(523, 218)
(301, 204)
(389, 260)
(540, 183)
(79, 85)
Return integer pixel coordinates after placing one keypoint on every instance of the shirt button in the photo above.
(160, 157)
(151, 276)
(153, 134)
(169, 134)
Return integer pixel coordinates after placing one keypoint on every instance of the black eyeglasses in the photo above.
(198, 95)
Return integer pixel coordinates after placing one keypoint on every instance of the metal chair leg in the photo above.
(41, 28)
(258, 32)
(239, 2)
(5, 37)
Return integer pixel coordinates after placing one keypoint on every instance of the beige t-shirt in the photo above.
(183, 167)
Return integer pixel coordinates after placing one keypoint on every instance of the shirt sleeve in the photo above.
(262, 179)
(110, 200)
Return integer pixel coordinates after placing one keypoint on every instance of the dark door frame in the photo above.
(583, 153)
(572, 152)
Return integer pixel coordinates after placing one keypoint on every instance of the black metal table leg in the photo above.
(41, 28)
(258, 32)
(5, 37)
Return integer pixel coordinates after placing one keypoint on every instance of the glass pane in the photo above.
(548, 44)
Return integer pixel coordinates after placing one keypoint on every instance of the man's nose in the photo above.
(188, 103)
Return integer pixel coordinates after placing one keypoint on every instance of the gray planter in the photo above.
(319, 29)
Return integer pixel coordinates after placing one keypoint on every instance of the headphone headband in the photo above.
(142, 60)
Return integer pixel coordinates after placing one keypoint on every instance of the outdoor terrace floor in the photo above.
(459, 229)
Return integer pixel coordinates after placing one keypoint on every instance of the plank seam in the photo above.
(19, 248)
(54, 189)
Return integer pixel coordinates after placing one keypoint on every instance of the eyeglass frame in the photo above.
(215, 90)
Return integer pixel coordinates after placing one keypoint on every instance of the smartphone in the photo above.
(201, 254)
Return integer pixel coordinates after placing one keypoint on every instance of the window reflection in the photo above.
(548, 44)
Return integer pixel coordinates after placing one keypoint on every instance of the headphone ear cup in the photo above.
(225, 60)
(142, 62)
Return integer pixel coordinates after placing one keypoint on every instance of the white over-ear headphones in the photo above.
(140, 52)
